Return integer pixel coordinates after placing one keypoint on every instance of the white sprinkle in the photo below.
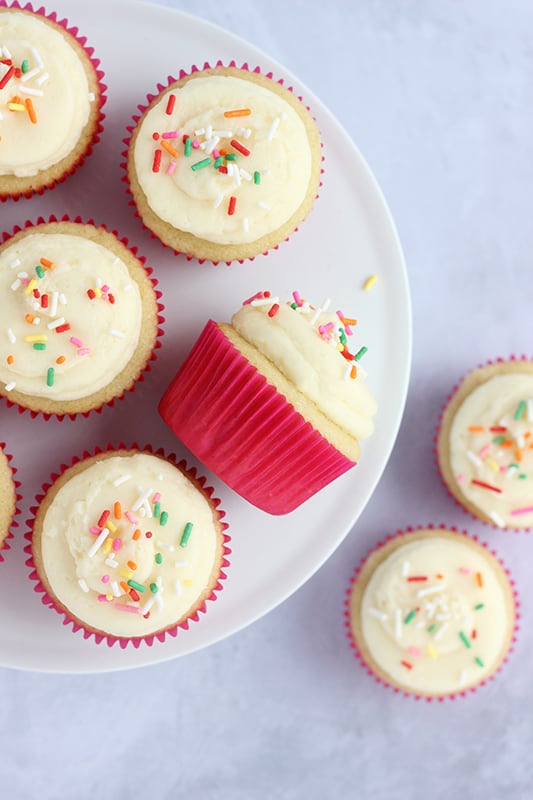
(34, 92)
(264, 206)
(347, 372)
(273, 129)
(218, 199)
(160, 476)
(143, 498)
(36, 320)
(29, 75)
(211, 144)
(247, 133)
(398, 623)
(11, 336)
(430, 590)
(10, 386)
(199, 132)
(53, 304)
(7, 53)
(223, 134)
(15, 263)
(98, 543)
(16, 285)
(324, 307)
(405, 569)
(266, 301)
(128, 287)
(529, 410)
(373, 612)
(41, 79)
(245, 174)
(462, 678)
(180, 563)
(56, 323)
(237, 176)
(122, 479)
(99, 283)
(115, 589)
(83, 585)
(230, 170)
(440, 631)
(511, 471)
(148, 605)
(497, 519)
(118, 334)
(22, 274)
(209, 132)
(111, 562)
(91, 97)
(62, 299)
(245, 225)
(473, 458)
(37, 57)
(177, 587)
(169, 547)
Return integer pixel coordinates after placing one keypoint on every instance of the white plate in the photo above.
(348, 236)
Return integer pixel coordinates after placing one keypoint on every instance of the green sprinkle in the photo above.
(294, 305)
(24, 66)
(230, 157)
(522, 476)
(40, 271)
(520, 410)
(479, 662)
(432, 628)
(360, 353)
(138, 586)
(218, 162)
(498, 439)
(411, 615)
(186, 534)
(39, 345)
(201, 164)
(157, 509)
(479, 606)
(50, 376)
(257, 178)
(158, 558)
(164, 518)
(188, 146)
(342, 337)
(154, 588)
(464, 640)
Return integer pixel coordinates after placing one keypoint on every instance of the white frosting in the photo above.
(502, 459)
(457, 620)
(88, 582)
(102, 335)
(56, 84)
(197, 200)
(312, 363)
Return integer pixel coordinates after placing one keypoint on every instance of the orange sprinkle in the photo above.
(132, 564)
(123, 585)
(527, 435)
(222, 151)
(60, 360)
(10, 359)
(353, 372)
(29, 318)
(476, 428)
(479, 579)
(507, 443)
(31, 111)
(117, 510)
(136, 535)
(348, 321)
(238, 112)
(518, 454)
(168, 147)
(440, 577)
(45, 262)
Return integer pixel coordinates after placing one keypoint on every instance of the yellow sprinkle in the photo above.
(109, 597)
(431, 651)
(16, 107)
(106, 547)
(36, 338)
(369, 282)
(110, 526)
(494, 466)
(125, 573)
(187, 582)
(31, 286)
(97, 291)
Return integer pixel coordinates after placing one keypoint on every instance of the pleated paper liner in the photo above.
(358, 648)
(226, 253)
(244, 430)
(469, 381)
(192, 615)
(13, 499)
(84, 406)
(59, 172)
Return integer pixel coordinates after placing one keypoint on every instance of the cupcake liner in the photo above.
(160, 87)
(244, 430)
(489, 363)
(5, 546)
(368, 667)
(82, 41)
(160, 319)
(77, 625)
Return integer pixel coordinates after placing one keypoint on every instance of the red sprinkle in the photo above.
(155, 136)
(157, 161)
(44, 301)
(133, 594)
(240, 147)
(111, 298)
(62, 328)
(7, 77)
(170, 105)
(406, 664)
(91, 294)
(36, 293)
(273, 310)
(224, 170)
(486, 485)
(231, 205)
(148, 534)
(103, 518)
(417, 578)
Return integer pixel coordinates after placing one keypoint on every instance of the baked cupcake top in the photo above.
(45, 96)
(128, 543)
(72, 312)
(486, 443)
(434, 612)
(7, 496)
(311, 347)
(226, 156)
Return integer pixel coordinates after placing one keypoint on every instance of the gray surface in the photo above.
(438, 97)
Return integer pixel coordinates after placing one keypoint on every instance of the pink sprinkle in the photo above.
(76, 342)
(256, 296)
(460, 478)
(502, 468)
(196, 144)
(157, 497)
(485, 450)
(95, 530)
(527, 510)
(117, 544)
(465, 570)
(131, 609)
(216, 154)
(105, 288)
(171, 169)
(347, 328)
(129, 516)
(103, 598)
(170, 135)
(297, 299)
(84, 351)
(414, 651)
(105, 578)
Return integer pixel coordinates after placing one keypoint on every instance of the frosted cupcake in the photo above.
(50, 100)
(276, 402)
(128, 545)
(432, 613)
(8, 495)
(79, 314)
(485, 443)
(224, 163)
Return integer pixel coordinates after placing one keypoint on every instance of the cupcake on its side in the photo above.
(485, 443)
(80, 317)
(127, 544)
(274, 403)
(223, 163)
(50, 100)
(432, 613)
(8, 498)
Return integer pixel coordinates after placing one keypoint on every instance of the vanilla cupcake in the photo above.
(8, 495)
(432, 613)
(275, 403)
(50, 100)
(485, 443)
(127, 545)
(223, 163)
(79, 317)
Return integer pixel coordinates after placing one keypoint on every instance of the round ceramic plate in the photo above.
(348, 237)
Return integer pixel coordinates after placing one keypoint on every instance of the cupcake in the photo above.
(127, 545)
(50, 100)
(8, 495)
(274, 403)
(79, 314)
(432, 613)
(485, 443)
(223, 163)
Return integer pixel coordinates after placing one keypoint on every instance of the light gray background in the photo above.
(438, 97)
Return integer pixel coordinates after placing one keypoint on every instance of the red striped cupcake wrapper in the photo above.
(5, 545)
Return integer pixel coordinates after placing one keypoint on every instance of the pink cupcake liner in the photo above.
(411, 694)
(5, 546)
(82, 40)
(122, 641)
(449, 398)
(160, 87)
(160, 319)
(244, 430)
